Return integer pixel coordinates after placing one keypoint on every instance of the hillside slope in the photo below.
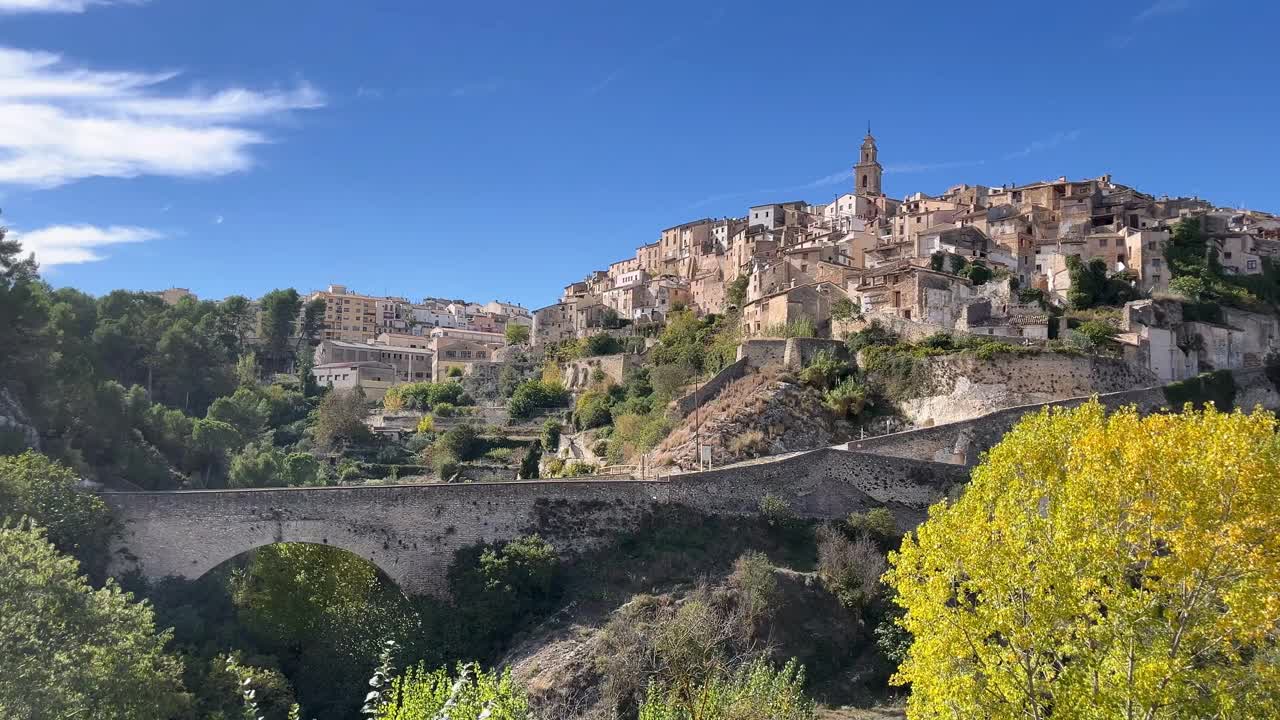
(763, 413)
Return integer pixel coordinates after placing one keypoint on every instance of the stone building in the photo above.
(371, 376)
(411, 364)
(804, 302)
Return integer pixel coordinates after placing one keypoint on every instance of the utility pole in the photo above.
(697, 426)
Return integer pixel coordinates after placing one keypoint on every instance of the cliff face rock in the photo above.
(764, 413)
(14, 420)
(962, 387)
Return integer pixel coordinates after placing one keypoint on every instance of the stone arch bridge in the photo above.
(411, 532)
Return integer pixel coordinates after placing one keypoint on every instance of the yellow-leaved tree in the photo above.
(1102, 567)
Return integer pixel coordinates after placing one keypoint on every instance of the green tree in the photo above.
(76, 522)
(310, 324)
(278, 322)
(212, 442)
(340, 419)
(1102, 566)
(844, 310)
(70, 651)
(516, 334)
(736, 291)
(325, 614)
(247, 371)
(236, 322)
(498, 587)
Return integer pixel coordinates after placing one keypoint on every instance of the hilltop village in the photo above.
(1002, 262)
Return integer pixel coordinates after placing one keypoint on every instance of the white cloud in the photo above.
(52, 6)
(60, 123)
(1162, 7)
(1046, 144)
(217, 219)
(73, 244)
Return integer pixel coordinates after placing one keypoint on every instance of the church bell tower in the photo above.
(866, 174)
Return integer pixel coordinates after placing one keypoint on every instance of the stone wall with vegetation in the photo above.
(963, 442)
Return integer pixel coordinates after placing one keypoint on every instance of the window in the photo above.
(1156, 278)
(1252, 264)
(1155, 262)
(1226, 255)
(1102, 242)
(1119, 242)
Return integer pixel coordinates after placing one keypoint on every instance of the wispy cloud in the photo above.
(218, 219)
(1048, 143)
(1162, 7)
(622, 69)
(61, 122)
(56, 6)
(905, 168)
(371, 93)
(480, 88)
(75, 244)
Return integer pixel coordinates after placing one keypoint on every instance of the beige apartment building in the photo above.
(348, 316)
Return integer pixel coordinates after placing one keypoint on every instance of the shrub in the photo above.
(550, 435)
(1218, 388)
(751, 443)
(878, 523)
(445, 409)
(461, 443)
(753, 581)
(668, 381)
(473, 695)
(873, 334)
(500, 454)
(756, 690)
(850, 569)
(455, 372)
(578, 468)
(1095, 333)
(426, 424)
(555, 467)
(499, 586)
(601, 344)
(824, 371)
(776, 511)
(592, 410)
(846, 399)
(799, 328)
(640, 433)
(533, 395)
(447, 467)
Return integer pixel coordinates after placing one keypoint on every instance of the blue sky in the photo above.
(502, 149)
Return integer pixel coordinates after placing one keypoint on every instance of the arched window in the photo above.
(864, 181)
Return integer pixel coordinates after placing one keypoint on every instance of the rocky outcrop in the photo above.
(764, 413)
(15, 421)
(962, 387)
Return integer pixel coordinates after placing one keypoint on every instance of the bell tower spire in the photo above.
(867, 173)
